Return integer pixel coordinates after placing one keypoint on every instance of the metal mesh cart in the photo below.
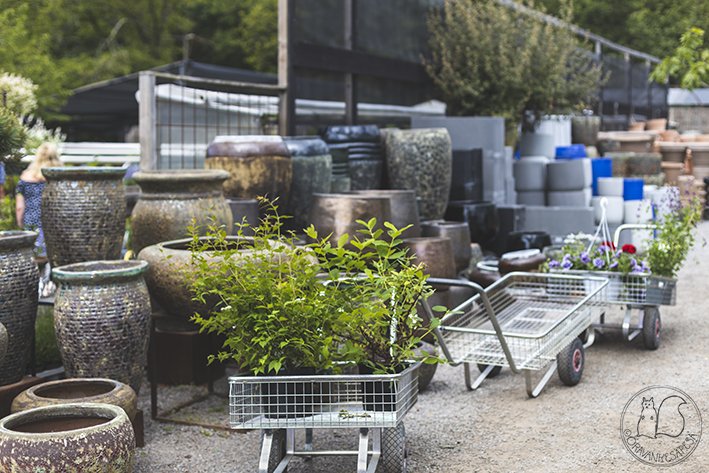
(524, 321)
(280, 404)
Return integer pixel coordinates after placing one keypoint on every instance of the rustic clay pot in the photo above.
(673, 152)
(422, 160)
(337, 214)
(99, 437)
(83, 214)
(459, 235)
(435, 252)
(19, 279)
(102, 320)
(404, 209)
(171, 200)
(257, 165)
(78, 390)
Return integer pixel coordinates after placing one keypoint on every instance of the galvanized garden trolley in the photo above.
(525, 321)
(371, 403)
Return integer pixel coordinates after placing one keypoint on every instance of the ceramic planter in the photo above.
(83, 214)
(404, 209)
(525, 240)
(3, 343)
(435, 252)
(611, 186)
(569, 174)
(421, 160)
(577, 198)
(530, 174)
(635, 142)
(481, 218)
(18, 302)
(102, 320)
(244, 211)
(98, 437)
(700, 154)
(673, 152)
(467, 178)
(537, 144)
(584, 129)
(76, 390)
(538, 198)
(459, 235)
(171, 200)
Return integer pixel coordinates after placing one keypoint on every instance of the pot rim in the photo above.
(81, 271)
(62, 410)
(85, 173)
(35, 391)
(172, 175)
(12, 239)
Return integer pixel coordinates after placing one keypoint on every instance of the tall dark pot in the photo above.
(171, 199)
(19, 279)
(83, 214)
(102, 320)
(481, 218)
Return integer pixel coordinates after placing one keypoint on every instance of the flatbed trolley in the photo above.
(280, 404)
(524, 321)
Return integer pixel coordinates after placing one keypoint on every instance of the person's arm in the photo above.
(19, 208)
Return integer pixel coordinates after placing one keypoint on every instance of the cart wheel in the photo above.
(651, 328)
(570, 363)
(495, 371)
(278, 449)
(393, 459)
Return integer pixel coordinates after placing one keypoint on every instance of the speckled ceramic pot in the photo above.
(98, 437)
(435, 252)
(19, 279)
(78, 390)
(3, 343)
(404, 209)
(459, 235)
(171, 199)
(421, 160)
(102, 320)
(83, 214)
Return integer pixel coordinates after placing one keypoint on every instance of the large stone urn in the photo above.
(95, 438)
(421, 160)
(83, 214)
(172, 200)
(102, 320)
(19, 279)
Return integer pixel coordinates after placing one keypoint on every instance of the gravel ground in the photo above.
(496, 428)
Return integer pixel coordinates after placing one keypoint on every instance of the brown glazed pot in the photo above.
(337, 214)
(459, 234)
(170, 200)
(83, 214)
(102, 320)
(78, 390)
(257, 166)
(404, 209)
(19, 279)
(435, 252)
(98, 437)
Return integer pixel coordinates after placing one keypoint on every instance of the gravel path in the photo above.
(496, 428)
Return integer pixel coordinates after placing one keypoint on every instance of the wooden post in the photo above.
(350, 79)
(286, 104)
(147, 113)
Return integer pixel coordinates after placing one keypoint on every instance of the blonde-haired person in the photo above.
(29, 192)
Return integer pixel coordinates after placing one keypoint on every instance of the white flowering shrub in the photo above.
(20, 94)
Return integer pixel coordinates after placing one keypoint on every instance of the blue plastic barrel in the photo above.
(633, 188)
(600, 167)
(571, 152)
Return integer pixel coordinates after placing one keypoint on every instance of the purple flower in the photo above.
(613, 265)
(617, 255)
(585, 259)
(603, 249)
(633, 264)
(598, 263)
(553, 264)
(566, 264)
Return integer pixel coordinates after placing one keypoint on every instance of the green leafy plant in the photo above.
(690, 62)
(12, 136)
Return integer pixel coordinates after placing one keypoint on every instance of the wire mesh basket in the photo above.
(344, 401)
(538, 315)
(640, 289)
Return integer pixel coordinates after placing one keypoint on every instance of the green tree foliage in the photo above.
(690, 62)
(489, 59)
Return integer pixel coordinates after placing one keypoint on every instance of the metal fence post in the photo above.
(147, 113)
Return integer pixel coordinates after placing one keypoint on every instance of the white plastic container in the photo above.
(638, 211)
(610, 186)
(615, 209)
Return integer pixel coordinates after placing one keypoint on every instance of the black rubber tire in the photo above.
(393, 459)
(570, 363)
(278, 449)
(495, 371)
(652, 328)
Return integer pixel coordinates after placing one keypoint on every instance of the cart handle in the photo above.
(631, 226)
(488, 307)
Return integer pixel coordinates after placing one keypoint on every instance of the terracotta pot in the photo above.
(635, 143)
(404, 209)
(422, 160)
(435, 252)
(673, 152)
(83, 214)
(76, 390)
(700, 154)
(102, 320)
(638, 126)
(171, 200)
(18, 302)
(99, 437)
(257, 165)
(459, 235)
(658, 124)
(337, 214)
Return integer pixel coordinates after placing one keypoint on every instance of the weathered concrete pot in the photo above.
(78, 390)
(435, 252)
(83, 214)
(257, 166)
(404, 209)
(19, 279)
(337, 214)
(421, 160)
(98, 437)
(459, 235)
(3, 343)
(170, 200)
(102, 320)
